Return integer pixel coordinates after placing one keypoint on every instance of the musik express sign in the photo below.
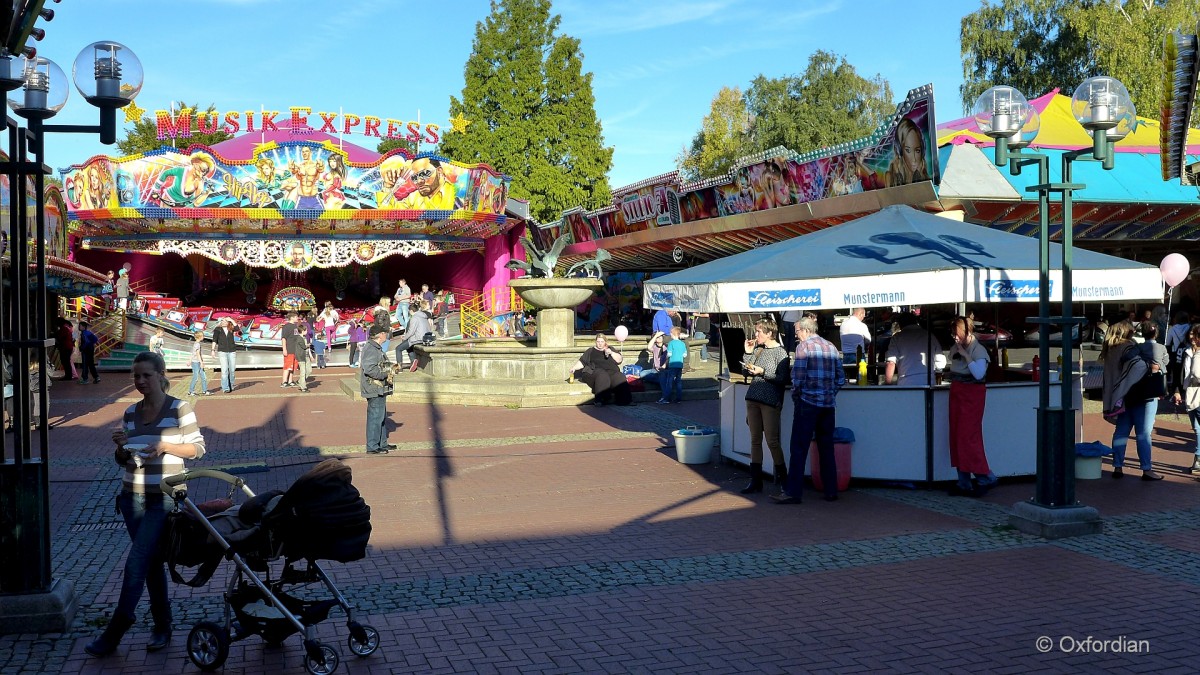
(171, 124)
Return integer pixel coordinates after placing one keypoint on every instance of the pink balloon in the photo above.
(1174, 269)
(621, 333)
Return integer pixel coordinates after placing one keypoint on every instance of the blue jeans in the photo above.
(376, 419)
(704, 347)
(198, 373)
(809, 420)
(402, 314)
(228, 366)
(1194, 416)
(671, 381)
(1139, 417)
(144, 517)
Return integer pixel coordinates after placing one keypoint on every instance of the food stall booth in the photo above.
(898, 256)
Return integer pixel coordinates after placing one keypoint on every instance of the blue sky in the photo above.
(656, 63)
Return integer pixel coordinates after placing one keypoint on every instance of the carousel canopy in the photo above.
(256, 202)
(897, 256)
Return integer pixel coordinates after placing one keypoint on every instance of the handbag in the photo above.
(1151, 386)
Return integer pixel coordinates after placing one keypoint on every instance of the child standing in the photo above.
(676, 355)
(157, 341)
(87, 353)
(198, 366)
(358, 336)
(299, 347)
(35, 387)
(319, 350)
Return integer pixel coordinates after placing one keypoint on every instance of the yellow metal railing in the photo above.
(478, 314)
(109, 326)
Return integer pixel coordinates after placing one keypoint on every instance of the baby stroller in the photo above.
(320, 517)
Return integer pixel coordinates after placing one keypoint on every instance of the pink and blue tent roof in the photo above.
(1135, 178)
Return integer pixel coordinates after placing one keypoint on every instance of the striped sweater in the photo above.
(175, 423)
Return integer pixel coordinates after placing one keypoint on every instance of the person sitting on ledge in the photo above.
(600, 369)
(419, 323)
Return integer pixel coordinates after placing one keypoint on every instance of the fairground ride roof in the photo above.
(1129, 209)
(208, 202)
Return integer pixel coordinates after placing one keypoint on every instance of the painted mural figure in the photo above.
(97, 187)
(184, 186)
(908, 156)
(432, 191)
(299, 257)
(335, 177)
(307, 171)
(269, 181)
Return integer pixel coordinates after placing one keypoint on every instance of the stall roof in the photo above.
(897, 256)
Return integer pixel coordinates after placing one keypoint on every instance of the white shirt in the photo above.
(854, 335)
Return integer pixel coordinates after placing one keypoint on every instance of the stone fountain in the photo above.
(518, 372)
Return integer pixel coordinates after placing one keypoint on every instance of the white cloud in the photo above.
(631, 16)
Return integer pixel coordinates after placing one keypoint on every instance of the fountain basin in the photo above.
(555, 293)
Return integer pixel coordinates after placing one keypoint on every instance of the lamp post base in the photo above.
(50, 611)
(1055, 522)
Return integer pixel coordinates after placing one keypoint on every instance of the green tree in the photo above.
(721, 139)
(143, 137)
(1039, 45)
(1028, 44)
(389, 144)
(1127, 42)
(531, 111)
(829, 103)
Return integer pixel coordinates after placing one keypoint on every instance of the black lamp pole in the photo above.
(1054, 511)
(31, 600)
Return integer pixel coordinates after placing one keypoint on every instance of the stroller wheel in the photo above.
(326, 664)
(365, 642)
(208, 645)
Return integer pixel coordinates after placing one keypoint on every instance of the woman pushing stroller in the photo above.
(156, 435)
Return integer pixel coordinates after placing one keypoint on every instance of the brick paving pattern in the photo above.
(569, 540)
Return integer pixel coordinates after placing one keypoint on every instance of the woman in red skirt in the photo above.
(968, 395)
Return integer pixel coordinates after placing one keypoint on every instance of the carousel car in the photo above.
(179, 320)
(262, 332)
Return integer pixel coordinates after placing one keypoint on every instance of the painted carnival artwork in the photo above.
(900, 152)
(295, 179)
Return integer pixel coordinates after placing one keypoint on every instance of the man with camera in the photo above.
(376, 382)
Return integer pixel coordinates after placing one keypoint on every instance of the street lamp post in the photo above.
(108, 76)
(1103, 107)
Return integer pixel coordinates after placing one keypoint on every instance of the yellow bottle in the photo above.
(862, 371)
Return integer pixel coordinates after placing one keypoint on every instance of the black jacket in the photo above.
(224, 340)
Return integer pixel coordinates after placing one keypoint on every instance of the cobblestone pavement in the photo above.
(570, 540)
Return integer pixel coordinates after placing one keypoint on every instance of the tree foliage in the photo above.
(1026, 44)
(143, 137)
(532, 111)
(721, 139)
(1039, 45)
(827, 104)
(1127, 42)
(388, 144)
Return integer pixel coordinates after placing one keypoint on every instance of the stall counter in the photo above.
(893, 439)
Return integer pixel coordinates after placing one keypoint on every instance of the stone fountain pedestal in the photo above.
(556, 300)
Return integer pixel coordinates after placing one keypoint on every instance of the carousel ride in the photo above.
(322, 220)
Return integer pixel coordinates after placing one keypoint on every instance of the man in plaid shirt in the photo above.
(817, 376)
